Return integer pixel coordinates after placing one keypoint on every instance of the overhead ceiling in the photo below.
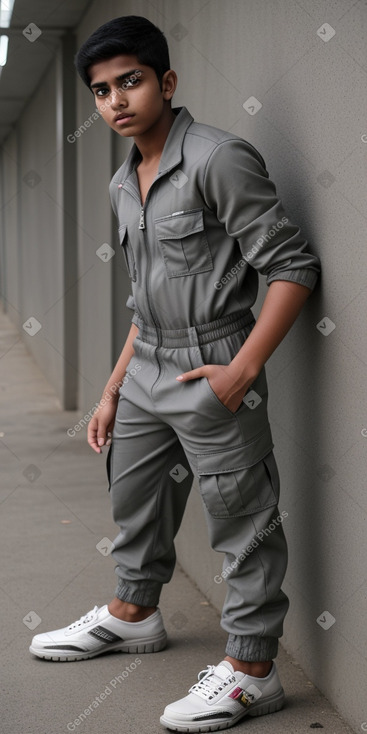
(30, 52)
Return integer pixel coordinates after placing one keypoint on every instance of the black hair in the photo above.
(130, 34)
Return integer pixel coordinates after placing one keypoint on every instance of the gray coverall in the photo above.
(210, 221)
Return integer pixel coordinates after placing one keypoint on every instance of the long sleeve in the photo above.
(238, 188)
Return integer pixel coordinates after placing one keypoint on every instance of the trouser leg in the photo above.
(239, 484)
(255, 561)
(150, 481)
(253, 569)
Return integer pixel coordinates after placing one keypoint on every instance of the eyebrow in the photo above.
(118, 79)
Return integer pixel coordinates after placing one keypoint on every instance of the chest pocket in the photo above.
(183, 243)
(128, 251)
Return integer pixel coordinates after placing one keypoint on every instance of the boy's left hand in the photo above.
(281, 306)
(229, 387)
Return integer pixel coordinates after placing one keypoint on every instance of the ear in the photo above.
(169, 84)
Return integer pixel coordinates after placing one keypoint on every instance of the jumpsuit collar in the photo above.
(172, 151)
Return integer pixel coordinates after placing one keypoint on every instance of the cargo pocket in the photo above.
(240, 480)
(127, 250)
(183, 243)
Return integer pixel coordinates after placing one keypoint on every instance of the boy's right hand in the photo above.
(101, 425)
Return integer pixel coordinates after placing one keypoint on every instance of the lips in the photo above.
(122, 116)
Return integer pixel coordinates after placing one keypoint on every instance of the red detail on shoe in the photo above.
(236, 693)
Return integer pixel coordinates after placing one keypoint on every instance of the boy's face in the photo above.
(128, 95)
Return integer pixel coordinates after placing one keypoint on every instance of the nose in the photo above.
(118, 98)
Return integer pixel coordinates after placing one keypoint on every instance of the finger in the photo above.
(96, 441)
(102, 434)
(106, 439)
(192, 375)
(92, 438)
(94, 445)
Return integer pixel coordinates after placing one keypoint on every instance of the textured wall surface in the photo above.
(33, 231)
(290, 77)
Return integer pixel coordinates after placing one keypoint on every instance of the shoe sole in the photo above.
(153, 644)
(269, 706)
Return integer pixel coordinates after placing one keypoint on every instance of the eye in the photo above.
(101, 92)
(132, 81)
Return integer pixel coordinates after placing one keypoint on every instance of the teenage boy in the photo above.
(198, 219)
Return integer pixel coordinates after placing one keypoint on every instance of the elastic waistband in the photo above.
(194, 335)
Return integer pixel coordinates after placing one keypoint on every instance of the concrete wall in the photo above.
(10, 240)
(39, 246)
(311, 130)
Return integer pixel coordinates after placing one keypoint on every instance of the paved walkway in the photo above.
(54, 512)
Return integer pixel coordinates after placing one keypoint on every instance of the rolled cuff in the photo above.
(302, 276)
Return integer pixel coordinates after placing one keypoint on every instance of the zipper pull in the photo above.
(142, 219)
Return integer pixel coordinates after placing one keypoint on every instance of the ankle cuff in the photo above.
(141, 593)
(252, 649)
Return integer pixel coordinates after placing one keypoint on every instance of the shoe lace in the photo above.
(84, 619)
(209, 684)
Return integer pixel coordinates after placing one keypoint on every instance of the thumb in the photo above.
(105, 438)
(192, 375)
(103, 433)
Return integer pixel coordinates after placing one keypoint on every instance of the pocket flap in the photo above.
(237, 457)
(180, 225)
(122, 232)
(127, 250)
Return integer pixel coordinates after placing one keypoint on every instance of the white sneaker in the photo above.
(99, 632)
(222, 697)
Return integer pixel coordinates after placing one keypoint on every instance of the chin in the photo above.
(123, 133)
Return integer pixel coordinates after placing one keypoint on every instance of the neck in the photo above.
(152, 142)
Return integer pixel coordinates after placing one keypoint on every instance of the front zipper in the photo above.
(150, 305)
(142, 228)
(142, 219)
